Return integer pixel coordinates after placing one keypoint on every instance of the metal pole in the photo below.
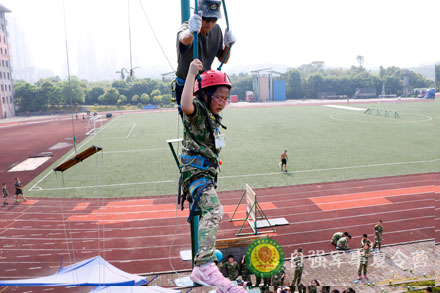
(185, 11)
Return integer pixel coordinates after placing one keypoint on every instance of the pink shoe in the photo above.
(359, 277)
(209, 275)
(365, 276)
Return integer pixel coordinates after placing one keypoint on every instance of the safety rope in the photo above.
(68, 75)
(227, 29)
(155, 36)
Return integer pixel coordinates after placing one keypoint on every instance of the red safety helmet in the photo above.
(211, 78)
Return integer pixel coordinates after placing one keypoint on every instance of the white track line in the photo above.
(73, 152)
(240, 176)
(223, 230)
(134, 124)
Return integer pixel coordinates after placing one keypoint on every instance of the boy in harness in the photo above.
(199, 160)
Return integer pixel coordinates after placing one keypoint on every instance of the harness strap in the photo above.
(199, 186)
(197, 162)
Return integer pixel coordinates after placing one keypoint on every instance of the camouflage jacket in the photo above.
(363, 255)
(337, 236)
(278, 277)
(232, 270)
(298, 260)
(198, 141)
(363, 241)
(245, 271)
(378, 230)
(343, 243)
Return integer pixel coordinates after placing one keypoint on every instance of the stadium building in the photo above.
(7, 108)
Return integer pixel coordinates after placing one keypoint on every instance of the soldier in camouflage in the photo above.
(343, 243)
(232, 268)
(245, 272)
(365, 240)
(278, 278)
(298, 261)
(337, 236)
(200, 119)
(364, 253)
(378, 230)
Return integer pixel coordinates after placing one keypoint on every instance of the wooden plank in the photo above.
(237, 242)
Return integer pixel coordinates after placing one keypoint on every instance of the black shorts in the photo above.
(283, 161)
(18, 191)
(5, 195)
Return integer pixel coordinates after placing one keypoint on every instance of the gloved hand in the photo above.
(195, 23)
(229, 38)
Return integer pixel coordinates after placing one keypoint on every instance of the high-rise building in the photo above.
(7, 107)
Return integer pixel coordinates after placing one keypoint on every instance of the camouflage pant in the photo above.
(297, 277)
(212, 213)
(377, 242)
(364, 267)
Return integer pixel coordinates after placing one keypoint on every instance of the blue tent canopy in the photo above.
(95, 271)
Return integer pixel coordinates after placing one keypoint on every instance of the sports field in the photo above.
(324, 144)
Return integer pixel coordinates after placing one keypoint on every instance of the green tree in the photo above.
(145, 98)
(93, 94)
(73, 92)
(166, 99)
(50, 93)
(437, 78)
(110, 97)
(135, 99)
(294, 87)
(27, 97)
(314, 85)
(240, 84)
(122, 100)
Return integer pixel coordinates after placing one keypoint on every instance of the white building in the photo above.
(7, 107)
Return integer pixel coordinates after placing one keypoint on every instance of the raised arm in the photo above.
(188, 90)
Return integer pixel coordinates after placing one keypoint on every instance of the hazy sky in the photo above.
(284, 32)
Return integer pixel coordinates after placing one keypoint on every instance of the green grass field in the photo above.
(324, 144)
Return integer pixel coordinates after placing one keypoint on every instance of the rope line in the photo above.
(155, 36)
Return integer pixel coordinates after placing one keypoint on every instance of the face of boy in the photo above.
(218, 99)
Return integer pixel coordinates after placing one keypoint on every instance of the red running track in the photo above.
(138, 234)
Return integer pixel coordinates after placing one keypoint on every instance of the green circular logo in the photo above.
(264, 257)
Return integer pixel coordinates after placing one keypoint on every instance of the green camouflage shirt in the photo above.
(363, 241)
(197, 141)
(298, 261)
(363, 258)
(378, 230)
(343, 243)
(232, 270)
(278, 277)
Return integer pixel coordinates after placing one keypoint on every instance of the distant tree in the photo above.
(145, 98)
(135, 99)
(28, 98)
(294, 87)
(314, 85)
(166, 99)
(73, 92)
(93, 94)
(122, 100)
(157, 99)
(437, 78)
(110, 97)
(51, 93)
(240, 84)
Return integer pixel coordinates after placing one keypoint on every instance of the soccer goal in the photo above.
(94, 123)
